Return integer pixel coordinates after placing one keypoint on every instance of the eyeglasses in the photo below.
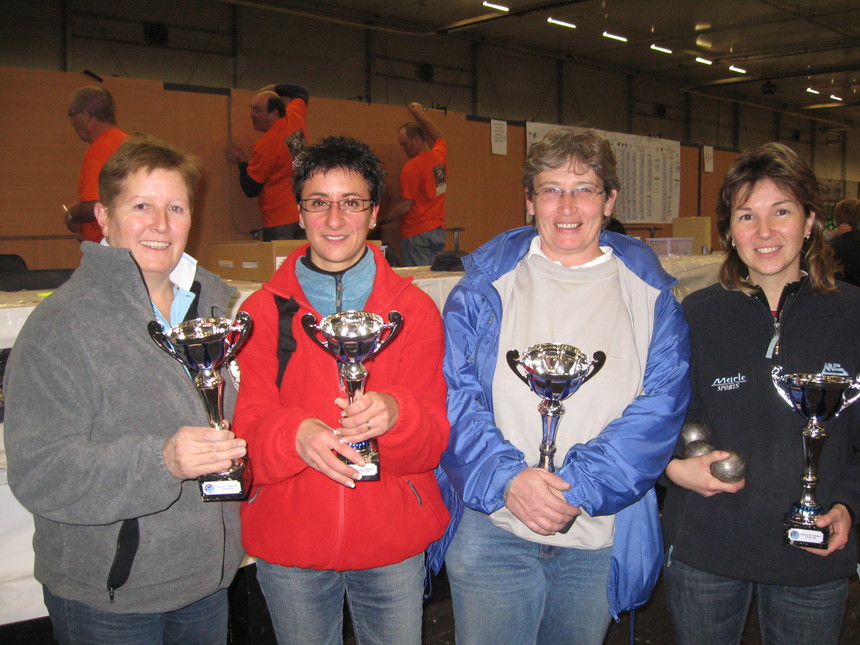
(255, 109)
(348, 205)
(552, 195)
(72, 113)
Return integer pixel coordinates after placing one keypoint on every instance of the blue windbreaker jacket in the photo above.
(615, 472)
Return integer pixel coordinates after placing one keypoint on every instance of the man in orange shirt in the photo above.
(423, 183)
(269, 173)
(92, 113)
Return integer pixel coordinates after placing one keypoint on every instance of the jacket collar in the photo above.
(501, 254)
(387, 285)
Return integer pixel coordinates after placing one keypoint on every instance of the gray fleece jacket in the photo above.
(90, 400)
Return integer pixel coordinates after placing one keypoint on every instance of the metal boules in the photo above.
(732, 469)
(694, 431)
(697, 449)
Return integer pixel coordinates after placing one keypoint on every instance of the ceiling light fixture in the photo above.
(812, 91)
(657, 48)
(497, 7)
(737, 69)
(704, 61)
(561, 23)
(622, 39)
(835, 98)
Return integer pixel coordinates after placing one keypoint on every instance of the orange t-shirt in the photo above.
(271, 164)
(424, 180)
(97, 154)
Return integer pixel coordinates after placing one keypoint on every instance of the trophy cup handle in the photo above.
(778, 380)
(598, 360)
(851, 394)
(157, 334)
(513, 357)
(242, 324)
(393, 327)
(309, 323)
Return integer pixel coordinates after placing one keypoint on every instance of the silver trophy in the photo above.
(202, 346)
(353, 337)
(817, 398)
(553, 371)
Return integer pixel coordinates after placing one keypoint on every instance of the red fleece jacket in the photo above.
(298, 517)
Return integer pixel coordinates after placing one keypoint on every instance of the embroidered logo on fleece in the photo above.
(725, 383)
(835, 369)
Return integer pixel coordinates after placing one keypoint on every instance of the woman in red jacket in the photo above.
(317, 530)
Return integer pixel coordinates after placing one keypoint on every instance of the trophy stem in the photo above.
(211, 392)
(551, 413)
(813, 441)
(353, 376)
(354, 388)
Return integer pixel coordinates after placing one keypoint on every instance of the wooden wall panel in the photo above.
(42, 157)
(689, 199)
(710, 188)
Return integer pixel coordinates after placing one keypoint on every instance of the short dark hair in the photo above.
(413, 130)
(784, 167)
(340, 152)
(276, 103)
(847, 211)
(144, 152)
(97, 101)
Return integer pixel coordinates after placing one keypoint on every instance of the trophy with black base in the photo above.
(817, 398)
(353, 337)
(202, 346)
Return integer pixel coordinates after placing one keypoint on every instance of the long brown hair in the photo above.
(786, 169)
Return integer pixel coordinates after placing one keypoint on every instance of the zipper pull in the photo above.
(774, 342)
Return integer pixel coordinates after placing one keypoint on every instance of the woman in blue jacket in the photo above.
(515, 575)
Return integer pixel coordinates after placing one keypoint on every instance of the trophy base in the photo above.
(229, 486)
(369, 451)
(802, 534)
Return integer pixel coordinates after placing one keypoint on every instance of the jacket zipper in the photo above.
(415, 491)
(774, 348)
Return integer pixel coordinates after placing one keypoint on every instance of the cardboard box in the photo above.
(699, 228)
(252, 261)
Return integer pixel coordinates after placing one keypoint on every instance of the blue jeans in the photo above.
(420, 250)
(201, 623)
(306, 605)
(708, 609)
(508, 590)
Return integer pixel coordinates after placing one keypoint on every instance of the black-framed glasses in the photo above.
(72, 113)
(347, 205)
(553, 195)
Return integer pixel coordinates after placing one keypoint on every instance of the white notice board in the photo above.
(649, 171)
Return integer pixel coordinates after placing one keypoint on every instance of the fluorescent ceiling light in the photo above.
(812, 91)
(497, 7)
(657, 48)
(561, 23)
(737, 69)
(704, 61)
(606, 34)
(835, 98)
